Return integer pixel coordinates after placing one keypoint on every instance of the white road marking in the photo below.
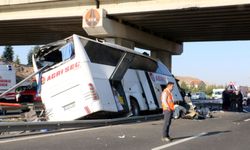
(247, 120)
(179, 141)
(48, 135)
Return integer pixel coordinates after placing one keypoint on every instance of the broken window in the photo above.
(55, 53)
(66, 51)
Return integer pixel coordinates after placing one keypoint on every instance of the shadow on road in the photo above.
(207, 134)
(216, 132)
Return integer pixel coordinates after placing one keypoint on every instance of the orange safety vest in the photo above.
(167, 104)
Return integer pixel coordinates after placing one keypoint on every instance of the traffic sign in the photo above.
(92, 17)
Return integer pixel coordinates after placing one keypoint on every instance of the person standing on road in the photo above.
(226, 101)
(168, 109)
(239, 101)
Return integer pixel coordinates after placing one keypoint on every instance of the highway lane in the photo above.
(227, 130)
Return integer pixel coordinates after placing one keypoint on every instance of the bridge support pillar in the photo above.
(164, 56)
(97, 24)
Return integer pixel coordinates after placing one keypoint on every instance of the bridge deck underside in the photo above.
(195, 24)
(183, 25)
(39, 31)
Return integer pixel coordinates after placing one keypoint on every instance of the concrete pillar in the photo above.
(122, 42)
(164, 56)
(97, 24)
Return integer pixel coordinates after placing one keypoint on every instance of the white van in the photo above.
(87, 78)
(217, 93)
(7, 80)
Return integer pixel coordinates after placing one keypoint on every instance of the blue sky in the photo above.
(21, 51)
(214, 62)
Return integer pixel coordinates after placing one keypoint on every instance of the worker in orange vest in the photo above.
(168, 109)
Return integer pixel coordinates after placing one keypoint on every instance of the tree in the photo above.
(17, 60)
(8, 54)
(184, 86)
(193, 89)
(202, 86)
(32, 51)
(209, 89)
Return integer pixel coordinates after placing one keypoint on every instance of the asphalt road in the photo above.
(227, 130)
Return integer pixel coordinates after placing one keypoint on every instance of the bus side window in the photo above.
(102, 54)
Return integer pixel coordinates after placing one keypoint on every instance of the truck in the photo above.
(86, 78)
(7, 80)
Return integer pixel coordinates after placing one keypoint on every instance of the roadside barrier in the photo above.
(31, 126)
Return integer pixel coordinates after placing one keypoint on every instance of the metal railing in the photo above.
(31, 126)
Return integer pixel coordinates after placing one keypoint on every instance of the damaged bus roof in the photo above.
(136, 60)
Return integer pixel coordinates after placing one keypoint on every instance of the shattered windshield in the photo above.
(54, 53)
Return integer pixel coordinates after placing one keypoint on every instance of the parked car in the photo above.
(198, 95)
(27, 94)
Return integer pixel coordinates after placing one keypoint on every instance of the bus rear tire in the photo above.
(135, 109)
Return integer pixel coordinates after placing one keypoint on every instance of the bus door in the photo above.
(116, 77)
(150, 96)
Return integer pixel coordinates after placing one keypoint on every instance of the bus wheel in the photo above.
(135, 109)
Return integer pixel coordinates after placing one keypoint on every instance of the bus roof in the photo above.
(140, 61)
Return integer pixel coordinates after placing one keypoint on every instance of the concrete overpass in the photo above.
(160, 25)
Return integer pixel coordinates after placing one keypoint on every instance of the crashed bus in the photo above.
(85, 78)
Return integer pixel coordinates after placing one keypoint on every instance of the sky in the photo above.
(213, 62)
(21, 51)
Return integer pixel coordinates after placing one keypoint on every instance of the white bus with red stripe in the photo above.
(91, 79)
(7, 80)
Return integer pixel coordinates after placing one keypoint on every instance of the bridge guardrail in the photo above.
(29, 126)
